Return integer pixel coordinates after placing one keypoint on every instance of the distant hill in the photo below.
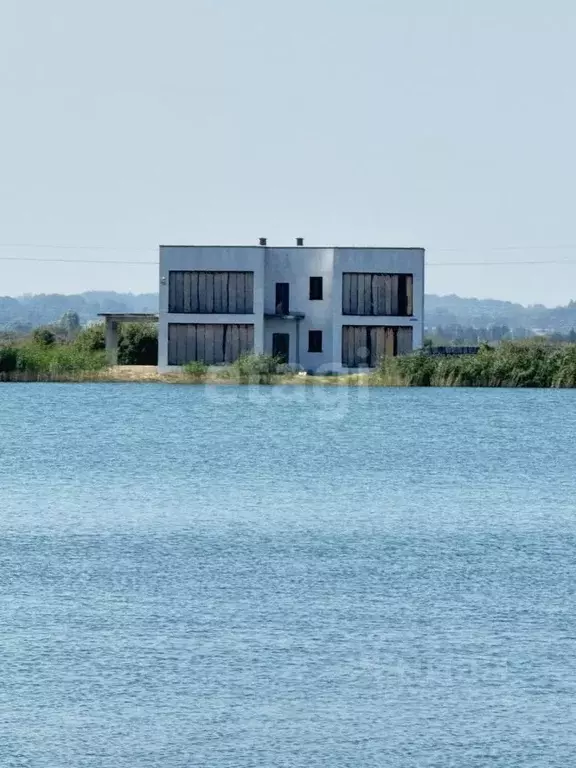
(441, 311)
(43, 309)
(481, 313)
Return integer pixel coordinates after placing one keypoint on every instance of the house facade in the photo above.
(318, 309)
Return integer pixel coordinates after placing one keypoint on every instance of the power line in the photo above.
(78, 247)
(140, 249)
(50, 260)
(497, 263)
(491, 248)
(77, 261)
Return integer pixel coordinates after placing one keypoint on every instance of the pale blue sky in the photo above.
(445, 124)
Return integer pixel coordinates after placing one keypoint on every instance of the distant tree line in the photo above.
(23, 314)
(445, 311)
(461, 335)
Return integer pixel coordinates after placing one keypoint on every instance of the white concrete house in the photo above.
(319, 309)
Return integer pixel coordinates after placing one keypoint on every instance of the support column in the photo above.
(298, 342)
(111, 341)
(259, 334)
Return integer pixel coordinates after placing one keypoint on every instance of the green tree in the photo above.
(8, 359)
(44, 337)
(70, 323)
(91, 338)
(138, 344)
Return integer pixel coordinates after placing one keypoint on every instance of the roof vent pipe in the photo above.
(300, 242)
(263, 241)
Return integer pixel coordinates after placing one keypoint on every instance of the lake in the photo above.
(253, 577)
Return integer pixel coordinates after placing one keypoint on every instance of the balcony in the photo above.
(280, 314)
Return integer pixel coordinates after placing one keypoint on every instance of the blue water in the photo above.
(259, 578)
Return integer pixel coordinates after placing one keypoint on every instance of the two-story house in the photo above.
(319, 309)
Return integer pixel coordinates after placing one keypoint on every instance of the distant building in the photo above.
(320, 309)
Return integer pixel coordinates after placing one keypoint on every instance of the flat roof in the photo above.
(309, 247)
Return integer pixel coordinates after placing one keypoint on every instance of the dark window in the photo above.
(282, 298)
(281, 347)
(315, 289)
(314, 341)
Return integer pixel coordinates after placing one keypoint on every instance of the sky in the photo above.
(448, 125)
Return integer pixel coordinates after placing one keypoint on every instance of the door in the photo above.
(282, 298)
(281, 347)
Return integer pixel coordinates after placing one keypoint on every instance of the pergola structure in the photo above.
(113, 320)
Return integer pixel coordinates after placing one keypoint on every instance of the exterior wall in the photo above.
(295, 266)
(274, 325)
(387, 260)
(221, 258)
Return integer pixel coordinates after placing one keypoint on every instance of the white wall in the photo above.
(222, 258)
(393, 260)
(296, 266)
(274, 325)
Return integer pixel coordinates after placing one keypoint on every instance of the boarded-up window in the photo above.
(364, 345)
(202, 293)
(368, 293)
(210, 343)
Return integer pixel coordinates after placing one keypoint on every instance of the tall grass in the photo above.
(33, 361)
(256, 369)
(511, 364)
(195, 370)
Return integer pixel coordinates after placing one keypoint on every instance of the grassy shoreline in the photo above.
(123, 374)
(149, 375)
(513, 364)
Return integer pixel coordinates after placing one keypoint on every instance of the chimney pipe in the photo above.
(263, 241)
(299, 241)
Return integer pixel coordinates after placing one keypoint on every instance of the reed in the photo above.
(511, 364)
